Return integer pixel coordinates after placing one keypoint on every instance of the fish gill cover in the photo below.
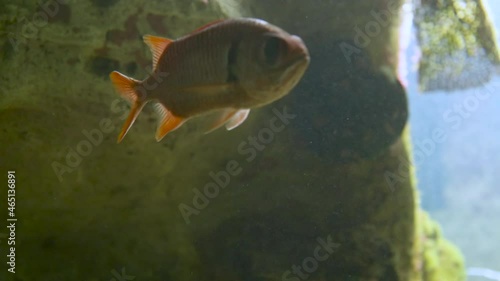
(458, 44)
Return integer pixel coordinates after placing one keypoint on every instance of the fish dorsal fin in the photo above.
(168, 121)
(208, 25)
(157, 46)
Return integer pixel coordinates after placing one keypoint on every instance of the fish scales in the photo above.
(227, 67)
(199, 59)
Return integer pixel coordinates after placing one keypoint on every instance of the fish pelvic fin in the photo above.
(168, 121)
(232, 118)
(157, 45)
(127, 87)
(237, 119)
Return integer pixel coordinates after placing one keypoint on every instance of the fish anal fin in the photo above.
(168, 121)
(237, 119)
(157, 46)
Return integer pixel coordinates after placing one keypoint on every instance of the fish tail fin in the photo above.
(127, 87)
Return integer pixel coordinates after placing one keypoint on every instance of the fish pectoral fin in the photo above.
(168, 121)
(237, 119)
(231, 117)
(157, 46)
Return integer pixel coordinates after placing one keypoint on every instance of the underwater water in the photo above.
(313, 171)
(458, 178)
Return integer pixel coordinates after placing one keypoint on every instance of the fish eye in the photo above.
(274, 48)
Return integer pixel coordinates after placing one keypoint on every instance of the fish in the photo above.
(225, 68)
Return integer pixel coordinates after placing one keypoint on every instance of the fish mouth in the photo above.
(300, 61)
(294, 70)
(299, 53)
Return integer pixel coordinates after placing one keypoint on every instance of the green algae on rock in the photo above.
(441, 260)
(458, 44)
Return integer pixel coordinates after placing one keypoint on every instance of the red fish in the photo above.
(226, 67)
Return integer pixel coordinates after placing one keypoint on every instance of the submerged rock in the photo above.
(458, 45)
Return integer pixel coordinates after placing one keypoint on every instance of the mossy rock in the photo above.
(441, 260)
